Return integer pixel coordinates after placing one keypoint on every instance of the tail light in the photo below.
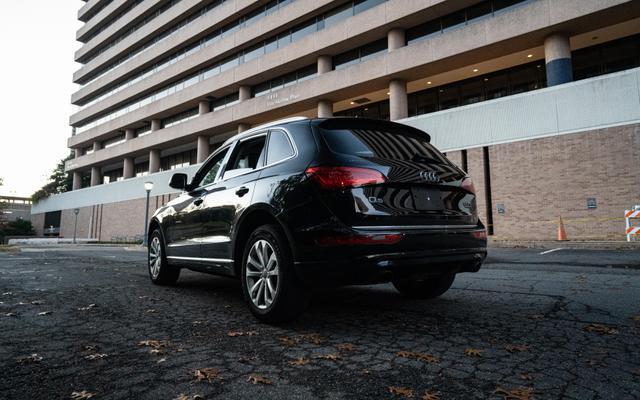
(482, 235)
(345, 177)
(467, 184)
(355, 240)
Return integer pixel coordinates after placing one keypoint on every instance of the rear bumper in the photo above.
(418, 254)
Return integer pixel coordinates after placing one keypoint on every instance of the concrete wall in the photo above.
(608, 100)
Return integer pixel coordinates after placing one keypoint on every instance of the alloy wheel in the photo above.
(155, 257)
(262, 274)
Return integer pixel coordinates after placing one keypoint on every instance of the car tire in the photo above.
(269, 283)
(160, 272)
(425, 289)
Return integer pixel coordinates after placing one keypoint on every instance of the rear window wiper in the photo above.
(422, 158)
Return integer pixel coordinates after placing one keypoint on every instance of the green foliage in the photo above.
(16, 228)
(59, 182)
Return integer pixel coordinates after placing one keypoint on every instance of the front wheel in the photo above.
(425, 289)
(269, 284)
(160, 272)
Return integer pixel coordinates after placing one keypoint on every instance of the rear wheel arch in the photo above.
(249, 222)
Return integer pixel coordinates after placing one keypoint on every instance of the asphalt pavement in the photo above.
(532, 324)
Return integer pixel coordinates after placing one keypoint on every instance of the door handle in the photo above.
(242, 191)
(199, 201)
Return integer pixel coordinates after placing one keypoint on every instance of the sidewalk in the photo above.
(568, 244)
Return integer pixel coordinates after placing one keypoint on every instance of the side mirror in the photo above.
(178, 181)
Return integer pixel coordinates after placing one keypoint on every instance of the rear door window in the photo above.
(280, 147)
(249, 154)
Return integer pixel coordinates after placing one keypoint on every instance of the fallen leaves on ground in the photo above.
(89, 307)
(156, 345)
(30, 359)
(44, 313)
(581, 279)
(257, 379)
(526, 377)
(521, 393)
(151, 311)
(636, 318)
(516, 348)
(636, 371)
(331, 357)
(241, 333)
(7, 293)
(96, 356)
(430, 395)
(82, 395)
(346, 347)
(183, 396)
(419, 356)
(90, 347)
(295, 340)
(10, 314)
(37, 302)
(473, 352)
(208, 374)
(597, 359)
(601, 329)
(401, 391)
(299, 361)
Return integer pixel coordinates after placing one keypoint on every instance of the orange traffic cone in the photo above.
(562, 234)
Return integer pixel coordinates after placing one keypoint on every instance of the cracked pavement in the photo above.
(560, 325)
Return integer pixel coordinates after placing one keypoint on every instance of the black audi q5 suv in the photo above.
(301, 203)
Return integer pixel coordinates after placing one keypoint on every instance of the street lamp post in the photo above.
(145, 240)
(75, 226)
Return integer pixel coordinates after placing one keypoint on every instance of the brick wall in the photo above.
(539, 180)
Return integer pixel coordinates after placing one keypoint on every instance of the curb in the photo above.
(569, 244)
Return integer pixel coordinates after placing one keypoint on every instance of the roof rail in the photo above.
(263, 126)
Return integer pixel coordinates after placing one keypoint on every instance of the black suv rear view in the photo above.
(336, 201)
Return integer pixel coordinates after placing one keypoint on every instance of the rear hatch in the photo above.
(391, 177)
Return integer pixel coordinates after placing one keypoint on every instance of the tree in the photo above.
(59, 182)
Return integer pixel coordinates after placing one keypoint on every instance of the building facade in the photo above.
(539, 100)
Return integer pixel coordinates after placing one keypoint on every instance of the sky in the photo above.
(37, 43)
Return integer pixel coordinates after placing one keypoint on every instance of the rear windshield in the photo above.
(397, 145)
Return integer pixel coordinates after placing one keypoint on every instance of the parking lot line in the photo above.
(551, 251)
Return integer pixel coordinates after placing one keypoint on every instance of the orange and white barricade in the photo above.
(630, 229)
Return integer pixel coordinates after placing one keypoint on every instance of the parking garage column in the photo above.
(398, 106)
(129, 134)
(202, 149)
(203, 107)
(244, 93)
(557, 55)
(156, 125)
(325, 64)
(127, 168)
(96, 176)
(243, 127)
(96, 146)
(396, 39)
(77, 180)
(154, 161)
(77, 153)
(325, 109)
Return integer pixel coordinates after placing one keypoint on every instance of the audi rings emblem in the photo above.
(430, 176)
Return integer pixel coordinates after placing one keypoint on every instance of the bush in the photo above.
(16, 228)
